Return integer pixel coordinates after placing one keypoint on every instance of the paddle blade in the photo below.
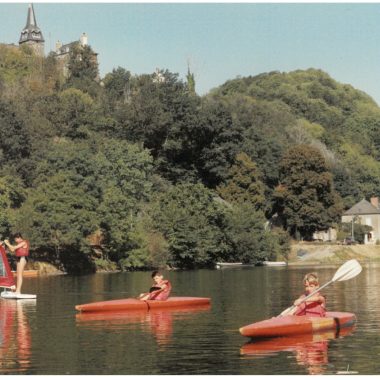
(348, 270)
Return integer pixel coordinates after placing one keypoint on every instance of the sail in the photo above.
(6, 276)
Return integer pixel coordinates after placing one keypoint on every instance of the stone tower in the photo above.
(31, 35)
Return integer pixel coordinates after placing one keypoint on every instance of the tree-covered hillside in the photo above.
(279, 110)
(137, 171)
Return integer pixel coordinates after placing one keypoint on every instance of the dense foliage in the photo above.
(138, 171)
(305, 197)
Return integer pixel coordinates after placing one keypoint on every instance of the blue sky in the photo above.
(219, 40)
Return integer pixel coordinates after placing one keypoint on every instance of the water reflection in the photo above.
(15, 336)
(310, 350)
(204, 343)
(158, 322)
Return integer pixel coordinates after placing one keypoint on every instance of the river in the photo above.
(48, 336)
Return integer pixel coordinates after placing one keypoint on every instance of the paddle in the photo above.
(348, 270)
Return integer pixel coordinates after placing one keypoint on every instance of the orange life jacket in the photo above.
(313, 309)
(163, 294)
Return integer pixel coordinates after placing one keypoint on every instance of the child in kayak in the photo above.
(314, 306)
(160, 289)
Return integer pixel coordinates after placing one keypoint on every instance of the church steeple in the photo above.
(31, 35)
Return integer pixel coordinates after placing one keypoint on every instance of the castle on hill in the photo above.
(32, 37)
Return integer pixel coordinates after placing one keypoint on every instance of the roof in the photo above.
(362, 208)
(65, 49)
(31, 32)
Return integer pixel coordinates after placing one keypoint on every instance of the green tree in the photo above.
(124, 172)
(83, 70)
(82, 63)
(192, 223)
(76, 112)
(12, 195)
(244, 183)
(154, 107)
(219, 140)
(113, 174)
(147, 247)
(250, 242)
(71, 113)
(58, 216)
(305, 198)
(117, 87)
(14, 143)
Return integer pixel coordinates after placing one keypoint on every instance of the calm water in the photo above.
(47, 337)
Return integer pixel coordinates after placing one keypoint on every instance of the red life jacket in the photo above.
(161, 295)
(313, 309)
(20, 252)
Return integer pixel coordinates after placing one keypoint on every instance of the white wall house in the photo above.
(366, 213)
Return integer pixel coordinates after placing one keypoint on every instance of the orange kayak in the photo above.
(293, 325)
(28, 273)
(132, 316)
(135, 304)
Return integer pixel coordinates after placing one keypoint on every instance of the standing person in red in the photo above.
(314, 306)
(21, 250)
(160, 289)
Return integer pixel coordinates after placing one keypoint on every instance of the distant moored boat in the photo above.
(227, 265)
(274, 263)
(28, 273)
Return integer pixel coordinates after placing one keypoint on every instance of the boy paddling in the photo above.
(160, 289)
(314, 306)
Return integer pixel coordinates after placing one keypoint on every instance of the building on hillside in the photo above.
(62, 53)
(365, 213)
(158, 76)
(328, 235)
(31, 35)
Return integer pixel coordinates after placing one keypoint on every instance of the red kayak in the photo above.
(135, 304)
(133, 316)
(296, 325)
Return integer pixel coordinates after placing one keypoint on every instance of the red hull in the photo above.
(133, 316)
(134, 304)
(296, 325)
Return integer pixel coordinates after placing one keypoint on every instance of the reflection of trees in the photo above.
(15, 349)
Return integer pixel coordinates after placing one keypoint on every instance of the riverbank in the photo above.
(301, 253)
(304, 253)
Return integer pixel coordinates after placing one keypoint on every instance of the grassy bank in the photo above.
(323, 253)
